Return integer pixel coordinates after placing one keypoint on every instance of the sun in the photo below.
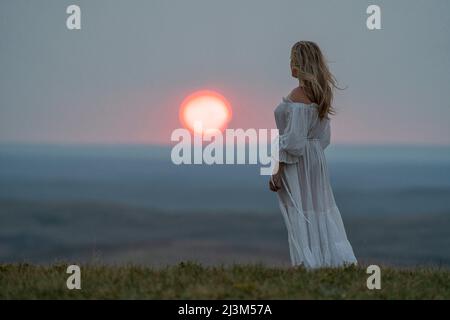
(208, 108)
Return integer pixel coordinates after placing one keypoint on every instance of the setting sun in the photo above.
(208, 108)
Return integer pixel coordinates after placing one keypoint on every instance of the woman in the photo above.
(316, 233)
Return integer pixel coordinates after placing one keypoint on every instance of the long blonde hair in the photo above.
(315, 78)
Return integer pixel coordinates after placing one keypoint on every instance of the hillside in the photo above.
(189, 280)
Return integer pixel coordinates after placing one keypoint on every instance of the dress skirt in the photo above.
(316, 233)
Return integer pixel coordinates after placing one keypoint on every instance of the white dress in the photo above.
(316, 233)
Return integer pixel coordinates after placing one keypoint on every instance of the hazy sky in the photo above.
(122, 77)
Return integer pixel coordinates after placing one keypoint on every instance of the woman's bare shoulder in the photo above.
(298, 95)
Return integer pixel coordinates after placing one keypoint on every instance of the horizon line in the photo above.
(168, 145)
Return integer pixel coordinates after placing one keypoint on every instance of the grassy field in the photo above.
(193, 281)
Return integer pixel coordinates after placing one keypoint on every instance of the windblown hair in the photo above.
(315, 78)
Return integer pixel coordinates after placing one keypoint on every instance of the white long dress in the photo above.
(316, 233)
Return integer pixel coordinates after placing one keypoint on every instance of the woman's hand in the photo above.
(275, 182)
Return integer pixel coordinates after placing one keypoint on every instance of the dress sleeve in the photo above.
(293, 140)
(325, 139)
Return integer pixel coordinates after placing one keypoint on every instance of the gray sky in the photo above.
(123, 76)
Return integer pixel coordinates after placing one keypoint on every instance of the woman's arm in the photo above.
(293, 140)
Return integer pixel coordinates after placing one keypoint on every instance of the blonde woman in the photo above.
(316, 233)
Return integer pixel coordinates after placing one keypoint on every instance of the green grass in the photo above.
(193, 281)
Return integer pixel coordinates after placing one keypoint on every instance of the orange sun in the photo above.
(208, 108)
